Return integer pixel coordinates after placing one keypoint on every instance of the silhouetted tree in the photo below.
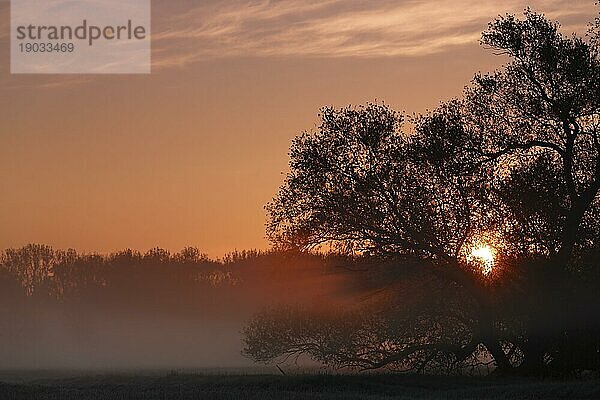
(33, 265)
(514, 164)
(190, 255)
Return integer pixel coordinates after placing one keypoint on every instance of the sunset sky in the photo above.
(190, 154)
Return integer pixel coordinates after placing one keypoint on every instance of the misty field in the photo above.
(199, 386)
(458, 247)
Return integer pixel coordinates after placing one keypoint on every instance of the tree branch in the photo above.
(525, 146)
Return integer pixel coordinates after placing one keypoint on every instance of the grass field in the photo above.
(198, 386)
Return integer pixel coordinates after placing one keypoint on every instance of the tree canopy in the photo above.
(514, 164)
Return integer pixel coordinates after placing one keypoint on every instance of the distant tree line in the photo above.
(157, 276)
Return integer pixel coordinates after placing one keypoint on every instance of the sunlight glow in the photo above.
(484, 255)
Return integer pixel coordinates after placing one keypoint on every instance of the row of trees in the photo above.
(156, 277)
(41, 270)
(514, 164)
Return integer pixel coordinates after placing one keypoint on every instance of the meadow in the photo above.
(177, 385)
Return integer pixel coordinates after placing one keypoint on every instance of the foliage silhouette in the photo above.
(514, 164)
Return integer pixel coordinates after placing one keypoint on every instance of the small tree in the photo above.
(32, 265)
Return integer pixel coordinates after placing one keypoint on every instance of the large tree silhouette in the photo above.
(514, 164)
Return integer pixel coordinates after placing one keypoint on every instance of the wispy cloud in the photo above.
(327, 28)
(337, 28)
(47, 81)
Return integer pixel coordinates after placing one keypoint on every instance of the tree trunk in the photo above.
(503, 365)
(570, 234)
(533, 358)
(489, 339)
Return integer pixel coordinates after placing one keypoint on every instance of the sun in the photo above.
(483, 255)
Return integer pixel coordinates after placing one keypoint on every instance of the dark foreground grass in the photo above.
(266, 387)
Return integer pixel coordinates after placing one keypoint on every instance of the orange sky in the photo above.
(190, 154)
